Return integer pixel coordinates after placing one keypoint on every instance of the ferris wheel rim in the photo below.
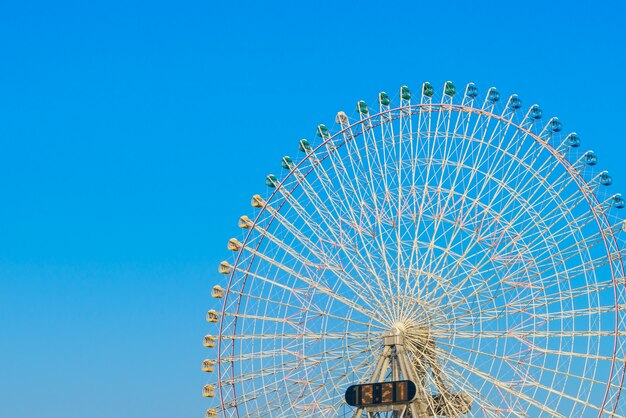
(580, 182)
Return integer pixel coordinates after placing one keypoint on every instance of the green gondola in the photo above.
(304, 146)
(427, 89)
(405, 93)
(448, 89)
(286, 162)
(322, 131)
(361, 107)
(383, 99)
(271, 181)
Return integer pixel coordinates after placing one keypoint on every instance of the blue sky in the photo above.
(134, 133)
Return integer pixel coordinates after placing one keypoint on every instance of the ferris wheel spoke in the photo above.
(502, 386)
(456, 380)
(481, 155)
(367, 260)
(293, 365)
(572, 251)
(319, 261)
(453, 179)
(511, 363)
(363, 176)
(530, 348)
(372, 163)
(500, 153)
(366, 363)
(558, 276)
(403, 148)
(563, 232)
(300, 236)
(286, 320)
(329, 336)
(339, 205)
(324, 289)
(299, 309)
(572, 254)
(471, 247)
(298, 292)
(355, 286)
(566, 295)
(551, 278)
(297, 387)
(486, 407)
(488, 258)
(427, 143)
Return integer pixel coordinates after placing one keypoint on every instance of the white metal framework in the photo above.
(483, 233)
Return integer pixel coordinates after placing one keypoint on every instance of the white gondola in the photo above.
(208, 391)
(257, 201)
(208, 366)
(217, 292)
(342, 118)
(225, 268)
(245, 222)
(212, 316)
(209, 341)
(234, 244)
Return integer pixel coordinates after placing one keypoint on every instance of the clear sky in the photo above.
(133, 134)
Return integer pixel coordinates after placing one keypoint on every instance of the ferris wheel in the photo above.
(454, 256)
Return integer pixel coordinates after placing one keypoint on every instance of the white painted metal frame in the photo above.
(476, 221)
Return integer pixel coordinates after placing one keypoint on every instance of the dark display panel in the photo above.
(385, 393)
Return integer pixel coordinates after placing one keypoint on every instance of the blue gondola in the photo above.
(589, 158)
(605, 179)
(471, 91)
(515, 102)
(555, 125)
(535, 112)
(493, 95)
(573, 140)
